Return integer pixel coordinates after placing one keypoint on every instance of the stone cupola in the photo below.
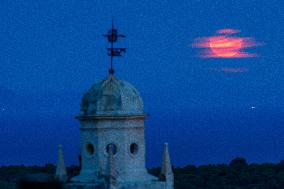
(111, 97)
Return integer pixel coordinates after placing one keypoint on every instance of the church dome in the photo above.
(111, 97)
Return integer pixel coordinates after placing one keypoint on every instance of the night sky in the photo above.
(210, 110)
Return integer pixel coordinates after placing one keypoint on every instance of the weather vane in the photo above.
(112, 37)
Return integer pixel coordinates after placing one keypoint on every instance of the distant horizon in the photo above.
(181, 132)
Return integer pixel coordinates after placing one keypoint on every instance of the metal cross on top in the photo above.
(112, 37)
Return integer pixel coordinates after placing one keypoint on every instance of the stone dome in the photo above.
(111, 97)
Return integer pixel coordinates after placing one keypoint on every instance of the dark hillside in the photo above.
(238, 174)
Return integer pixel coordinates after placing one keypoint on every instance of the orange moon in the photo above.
(225, 47)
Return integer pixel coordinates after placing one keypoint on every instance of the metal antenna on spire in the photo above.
(112, 37)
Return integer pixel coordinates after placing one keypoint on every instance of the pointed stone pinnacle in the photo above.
(61, 173)
(166, 170)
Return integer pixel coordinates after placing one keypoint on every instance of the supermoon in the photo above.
(225, 47)
(225, 44)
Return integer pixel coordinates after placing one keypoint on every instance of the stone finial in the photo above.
(166, 170)
(111, 173)
(61, 173)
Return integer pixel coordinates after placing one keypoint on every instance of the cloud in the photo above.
(223, 45)
(227, 31)
(230, 70)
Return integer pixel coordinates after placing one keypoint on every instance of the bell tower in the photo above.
(112, 117)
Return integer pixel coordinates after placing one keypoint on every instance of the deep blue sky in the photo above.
(52, 51)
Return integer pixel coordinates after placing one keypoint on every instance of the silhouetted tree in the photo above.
(238, 162)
